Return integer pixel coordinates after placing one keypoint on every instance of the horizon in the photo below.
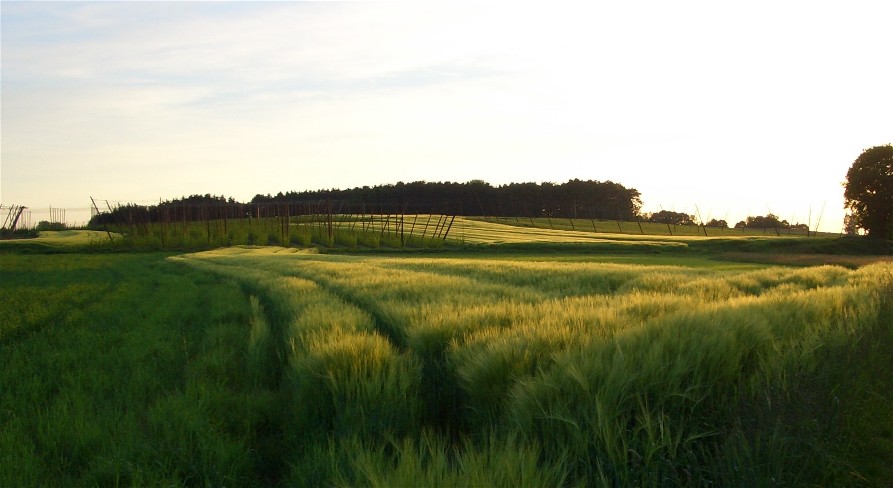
(79, 217)
(726, 111)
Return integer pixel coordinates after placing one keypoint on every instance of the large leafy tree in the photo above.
(868, 192)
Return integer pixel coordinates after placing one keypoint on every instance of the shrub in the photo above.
(347, 239)
(300, 239)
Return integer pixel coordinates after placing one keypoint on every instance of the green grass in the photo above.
(248, 366)
(508, 234)
(60, 241)
(126, 370)
(424, 234)
(343, 232)
(640, 227)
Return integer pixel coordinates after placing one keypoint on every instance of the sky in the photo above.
(724, 109)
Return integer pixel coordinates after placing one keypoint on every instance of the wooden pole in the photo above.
(809, 221)
(340, 207)
(450, 227)
(101, 220)
(592, 220)
(164, 226)
(412, 226)
(819, 221)
(425, 230)
(329, 213)
(701, 219)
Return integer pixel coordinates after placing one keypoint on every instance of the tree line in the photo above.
(574, 199)
(770, 221)
(191, 208)
(868, 196)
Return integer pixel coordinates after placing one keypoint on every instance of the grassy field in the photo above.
(527, 363)
(640, 227)
(65, 240)
(344, 233)
(327, 231)
(126, 370)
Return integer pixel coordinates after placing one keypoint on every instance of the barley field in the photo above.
(500, 372)
(272, 366)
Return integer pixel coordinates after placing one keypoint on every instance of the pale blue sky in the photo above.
(739, 108)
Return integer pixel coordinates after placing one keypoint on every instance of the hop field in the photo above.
(275, 366)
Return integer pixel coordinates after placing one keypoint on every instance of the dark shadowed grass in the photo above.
(126, 370)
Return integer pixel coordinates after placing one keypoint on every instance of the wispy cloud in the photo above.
(160, 99)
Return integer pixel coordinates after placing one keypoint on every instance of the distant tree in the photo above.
(718, 223)
(868, 192)
(193, 207)
(770, 221)
(47, 225)
(675, 218)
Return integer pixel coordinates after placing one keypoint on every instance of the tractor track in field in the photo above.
(389, 327)
(381, 323)
(441, 395)
(443, 400)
